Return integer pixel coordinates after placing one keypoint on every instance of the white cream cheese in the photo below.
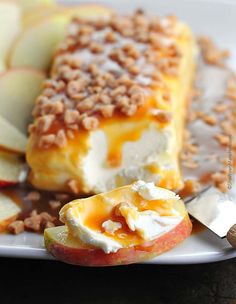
(87, 235)
(136, 156)
(149, 224)
(150, 192)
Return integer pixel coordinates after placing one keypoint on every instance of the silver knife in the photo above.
(215, 210)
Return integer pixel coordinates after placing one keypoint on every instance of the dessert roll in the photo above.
(113, 110)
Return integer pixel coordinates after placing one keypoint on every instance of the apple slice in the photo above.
(18, 91)
(10, 25)
(69, 251)
(84, 11)
(11, 169)
(35, 46)
(27, 5)
(9, 211)
(36, 14)
(2, 66)
(11, 138)
(91, 213)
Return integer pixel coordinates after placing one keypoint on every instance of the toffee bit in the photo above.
(210, 120)
(110, 37)
(191, 148)
(62, 196)
(47, 141)
(211, 54)
(190, 164)
(16, 227)
(60, 139)
(34, 212)
(190, 188)
(44, 123)
(33, 223)
(54, 204)
(107, 110)
(33, 196)
(218, 177)
(73, 186)
(220, 108)
(231, 88)
(71, 116)
(223, 187)
(46, 216)
(222, 139)
(90, 123)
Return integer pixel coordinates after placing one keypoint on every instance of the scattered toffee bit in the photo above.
(54, 204)
(222, 139)
(220, 107)
(231, 88)
(33, 196)
(210, 120)
(104, 68)
(33, 223)
(36, 215)
(211, 54)
(16, 227)
(191, 187)
(72, 184)
(211, 124)
(62, 196)
(190, 164)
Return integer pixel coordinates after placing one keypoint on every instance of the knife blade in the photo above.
(214, 209)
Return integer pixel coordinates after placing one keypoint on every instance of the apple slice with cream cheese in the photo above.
(126, 225)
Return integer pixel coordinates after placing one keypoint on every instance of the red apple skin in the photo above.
(6, 183)
(124, 256)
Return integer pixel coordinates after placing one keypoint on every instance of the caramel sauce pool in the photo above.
(19, 195)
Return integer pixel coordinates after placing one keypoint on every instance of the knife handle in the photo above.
(231, 236)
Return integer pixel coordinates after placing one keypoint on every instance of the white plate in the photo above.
(216, 19)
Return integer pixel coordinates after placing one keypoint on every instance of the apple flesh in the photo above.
(2, 66)
(27, 5)
(70, 251)
(18, 91)
(35, 46)
(9, 211)
(86, 11)
(11, 169)
(10, 25)
(11, 138)
(35, 15)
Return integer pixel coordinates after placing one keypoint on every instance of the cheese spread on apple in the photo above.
(120, 224)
